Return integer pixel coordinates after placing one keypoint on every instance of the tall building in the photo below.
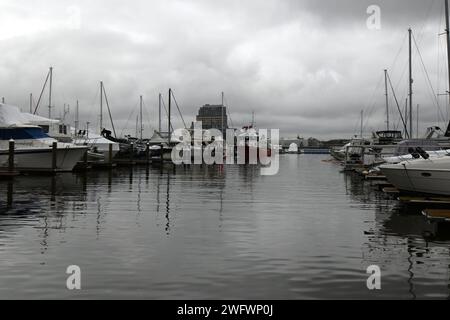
(213, 117)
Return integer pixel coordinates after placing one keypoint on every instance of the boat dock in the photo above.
(51, 168)
(437, 214)
(435, 208)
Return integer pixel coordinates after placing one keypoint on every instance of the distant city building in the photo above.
(213, 117)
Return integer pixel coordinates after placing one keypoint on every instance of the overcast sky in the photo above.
(306, 67)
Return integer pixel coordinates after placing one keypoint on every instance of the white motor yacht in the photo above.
(430, 176)
(33, 147)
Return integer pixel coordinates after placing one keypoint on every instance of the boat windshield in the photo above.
(22, 133)
(390, 134)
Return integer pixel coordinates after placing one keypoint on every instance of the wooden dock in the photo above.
(142, 162)
(6, 174)
(124, 162)
(83, 165)
(442, 215)
(375, 177)
(390, 190)
(425, 200)
(381, 184)
(103, 165)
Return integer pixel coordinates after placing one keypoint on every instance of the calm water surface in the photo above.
(215, 233)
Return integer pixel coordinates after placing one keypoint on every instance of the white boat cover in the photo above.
(161, 138)
(12, 116)
(157, 138)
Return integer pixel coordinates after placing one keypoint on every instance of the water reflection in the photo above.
(53, 189)
(168, 205)
(401, 238)
(217, 232)
(42, 203)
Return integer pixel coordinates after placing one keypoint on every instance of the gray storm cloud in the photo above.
(305, 67)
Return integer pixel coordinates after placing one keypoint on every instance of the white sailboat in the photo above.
(33, 147)
(99, 145)
(96, 143)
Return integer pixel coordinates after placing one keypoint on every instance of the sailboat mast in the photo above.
(50, 94)
(417, 122)
(362, 117)
(142, 128)
(109, 111)
(159, 104)
(137, 126)
(447, 31)
(410, 85)
(406, 118)
(221, 118)
(101, 106)
(387, 99)
(170, 106)
(77, 118)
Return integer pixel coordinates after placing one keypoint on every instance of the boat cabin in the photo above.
(388, 137)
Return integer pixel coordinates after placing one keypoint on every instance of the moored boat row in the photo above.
(420, 165)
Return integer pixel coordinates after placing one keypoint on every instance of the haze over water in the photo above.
(215, 233)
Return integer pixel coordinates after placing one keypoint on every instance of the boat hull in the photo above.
(155, 154)
(41, 159)
(417, 180)
(246, 154)
(339, 155)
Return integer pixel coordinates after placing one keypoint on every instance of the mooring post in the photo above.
(147, 152)
(85, 159)
(10, 194)
(131, 153)
(11, 156)
(54, 150)
(110, 157)
(162, 153)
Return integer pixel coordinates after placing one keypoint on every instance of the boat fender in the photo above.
(414, 153)
(422, 153)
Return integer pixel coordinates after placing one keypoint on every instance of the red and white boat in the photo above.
(249, 149)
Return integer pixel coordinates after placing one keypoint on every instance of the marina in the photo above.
(181, 151)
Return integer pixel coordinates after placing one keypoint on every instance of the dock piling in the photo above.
(131, 152)
(54, 150)
(110, 158)
(11, 156)
(85, 158)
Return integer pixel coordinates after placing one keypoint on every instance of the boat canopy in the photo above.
(12, 116)
(426, 144)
